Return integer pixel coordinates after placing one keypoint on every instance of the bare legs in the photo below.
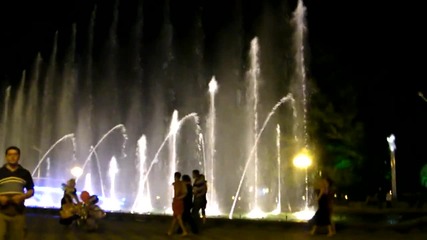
(180, 223)
(331, 230)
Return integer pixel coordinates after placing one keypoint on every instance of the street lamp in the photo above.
(303, 160)
(392, 147)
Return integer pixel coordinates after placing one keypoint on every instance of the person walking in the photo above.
(180, 191)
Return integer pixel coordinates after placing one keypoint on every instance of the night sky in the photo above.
(376, 49)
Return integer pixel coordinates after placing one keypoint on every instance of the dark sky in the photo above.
(375, 47)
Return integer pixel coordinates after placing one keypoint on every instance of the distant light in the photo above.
(346, 197)
(76, 171)
(302, 160)
(265, 191)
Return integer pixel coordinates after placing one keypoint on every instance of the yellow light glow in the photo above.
(303, 160)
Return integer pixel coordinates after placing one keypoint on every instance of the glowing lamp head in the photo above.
(213, 85)
(302, 160)
(76, 172)
(391, 143)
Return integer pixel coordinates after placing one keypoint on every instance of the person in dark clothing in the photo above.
(188, 203)
(188, 199)
(322, 217)
(199, 199)
(200, 189)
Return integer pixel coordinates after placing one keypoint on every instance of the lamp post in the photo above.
(303, 161)
(392, 147)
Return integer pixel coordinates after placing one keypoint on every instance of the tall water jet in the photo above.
(108, 94)
(201, 147)
(299, 84)
(88, 184)
(253, 99)
(65, 114)
(142, 203)
(5, 115)
(32, 104)
(16, 131)
(278, 209)
(48, 98)
(210, 168)
(112, 171)
(85, 127)
(173, 130)
(112, 202)
(300, 80)
(288, 97)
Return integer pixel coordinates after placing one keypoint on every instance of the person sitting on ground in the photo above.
(68, 211)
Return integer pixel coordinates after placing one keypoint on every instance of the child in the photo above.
(70, 190)
(68, 211)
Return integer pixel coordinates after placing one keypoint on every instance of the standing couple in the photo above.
(188, 200)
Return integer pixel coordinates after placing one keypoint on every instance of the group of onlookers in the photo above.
(188, 201)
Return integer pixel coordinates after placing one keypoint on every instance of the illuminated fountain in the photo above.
(130, 166)
(303, 158)
(112, 203)
(213, 208)
(142, 203)
(278, 209)
(88, 183)
(68, 136)
(253, 100)
(173, 130)
(248, 161)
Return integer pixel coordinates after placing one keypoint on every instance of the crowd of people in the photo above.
(188, 201)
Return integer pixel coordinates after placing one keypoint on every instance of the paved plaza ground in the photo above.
(46, 227)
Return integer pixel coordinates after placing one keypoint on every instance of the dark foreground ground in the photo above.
(46, 227)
